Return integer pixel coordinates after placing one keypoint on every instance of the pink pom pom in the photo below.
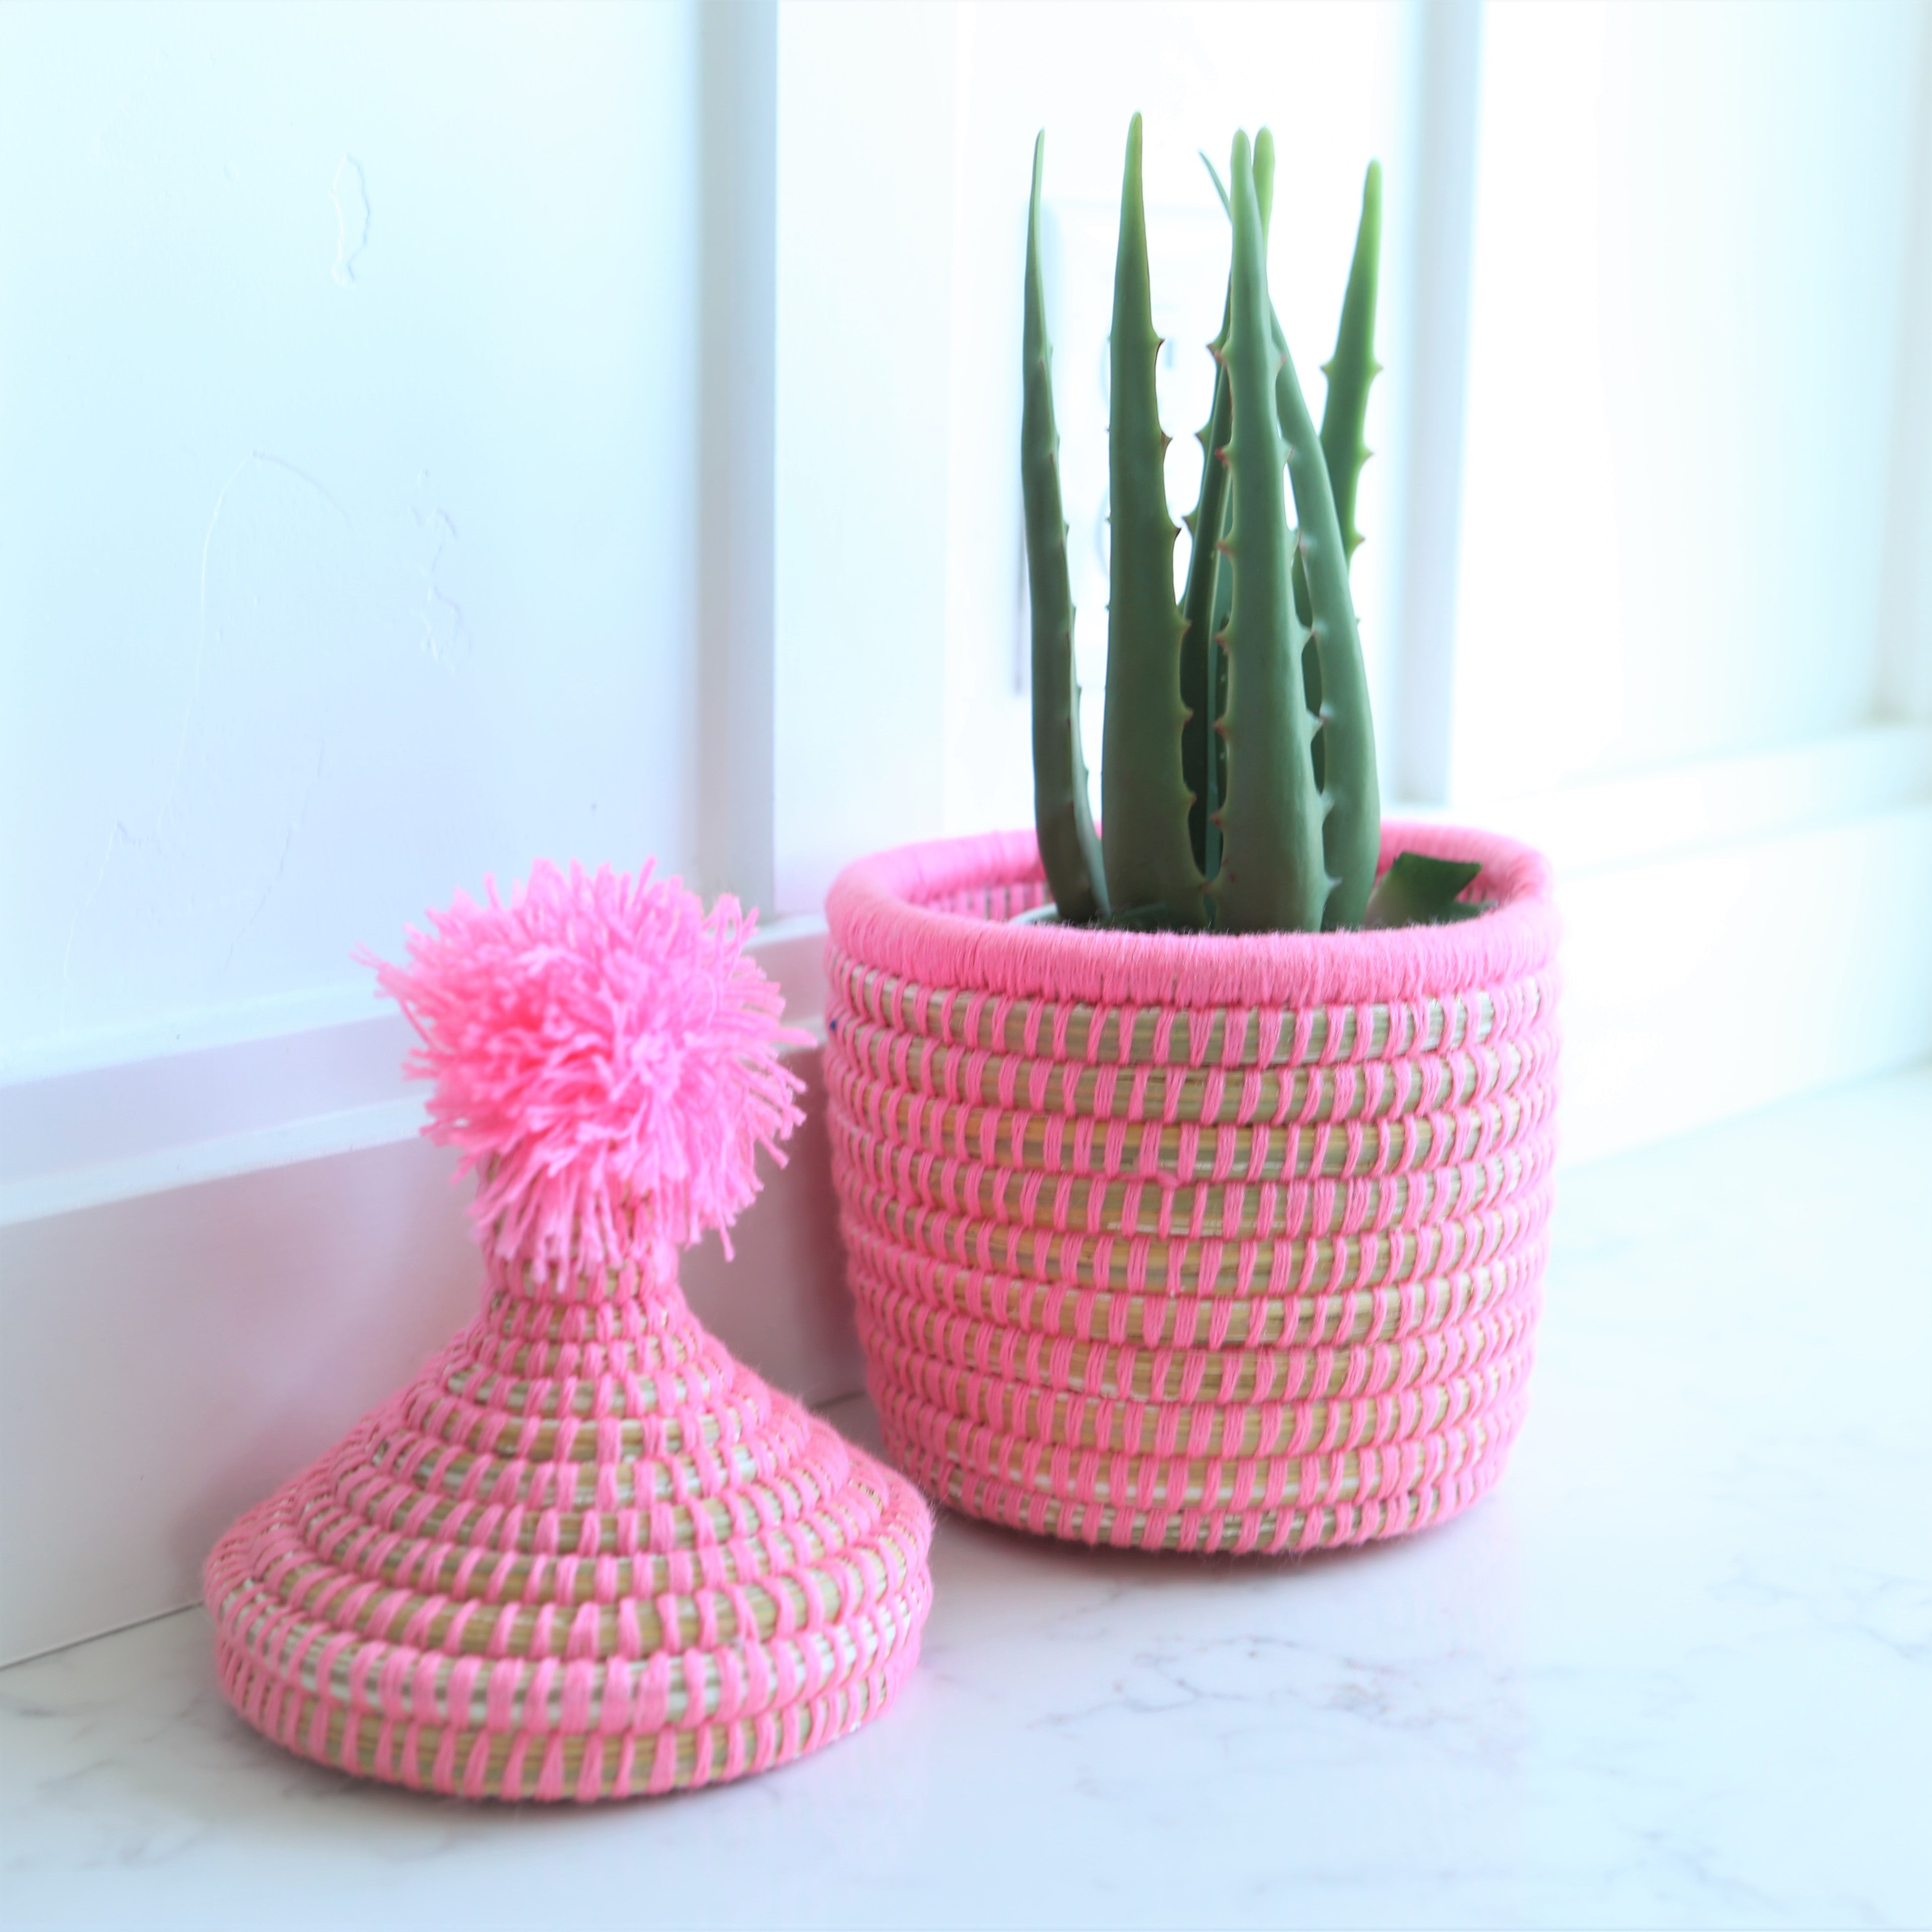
(606, 1058)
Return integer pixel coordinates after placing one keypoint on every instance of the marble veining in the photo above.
(1677, 1671)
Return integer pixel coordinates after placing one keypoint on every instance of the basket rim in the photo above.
(877, 915)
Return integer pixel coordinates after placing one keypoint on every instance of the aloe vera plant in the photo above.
(1238, 778)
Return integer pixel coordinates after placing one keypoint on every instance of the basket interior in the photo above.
(1004, 899)
(992, 899)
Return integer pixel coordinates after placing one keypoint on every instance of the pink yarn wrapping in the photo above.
(894, 912)
(1189, 1241)
(586, 1553)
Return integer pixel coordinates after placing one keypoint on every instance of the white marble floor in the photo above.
(1676, 1672)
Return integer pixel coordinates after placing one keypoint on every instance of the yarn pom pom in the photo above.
(605, 1056)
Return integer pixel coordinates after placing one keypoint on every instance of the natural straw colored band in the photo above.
(1142, 1264)
(907, 1288)
(990, 1191)
(1369, 1090)
(1222, 1484)
(1134, 1372)
(1231, 1430)
(1264, 1530)
(1061, 1144)
(627, 1758)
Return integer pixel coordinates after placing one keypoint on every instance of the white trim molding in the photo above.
(1420, 696)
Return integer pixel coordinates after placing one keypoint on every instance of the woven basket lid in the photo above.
(586, 1553)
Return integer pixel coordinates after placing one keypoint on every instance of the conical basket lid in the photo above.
(587, 1553)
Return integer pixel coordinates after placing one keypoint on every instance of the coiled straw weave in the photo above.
(1187, 1242)
(587, 1554)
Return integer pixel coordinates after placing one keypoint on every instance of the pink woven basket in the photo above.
(586, 1553)
(1188, 1242)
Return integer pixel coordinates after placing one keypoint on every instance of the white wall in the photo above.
(347, 520)
(1687, 363)
(866, 96)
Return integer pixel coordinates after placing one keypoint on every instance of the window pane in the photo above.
(1690, 228)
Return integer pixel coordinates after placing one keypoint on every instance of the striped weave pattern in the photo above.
(586, 1554)
(1185, 1242)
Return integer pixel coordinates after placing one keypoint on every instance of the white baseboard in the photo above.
(168, 1357)
(211, 1262)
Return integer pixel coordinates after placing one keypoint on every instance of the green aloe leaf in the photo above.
(1069, 849)
(1143, 794)
(1273, 878)
(1418, 890)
